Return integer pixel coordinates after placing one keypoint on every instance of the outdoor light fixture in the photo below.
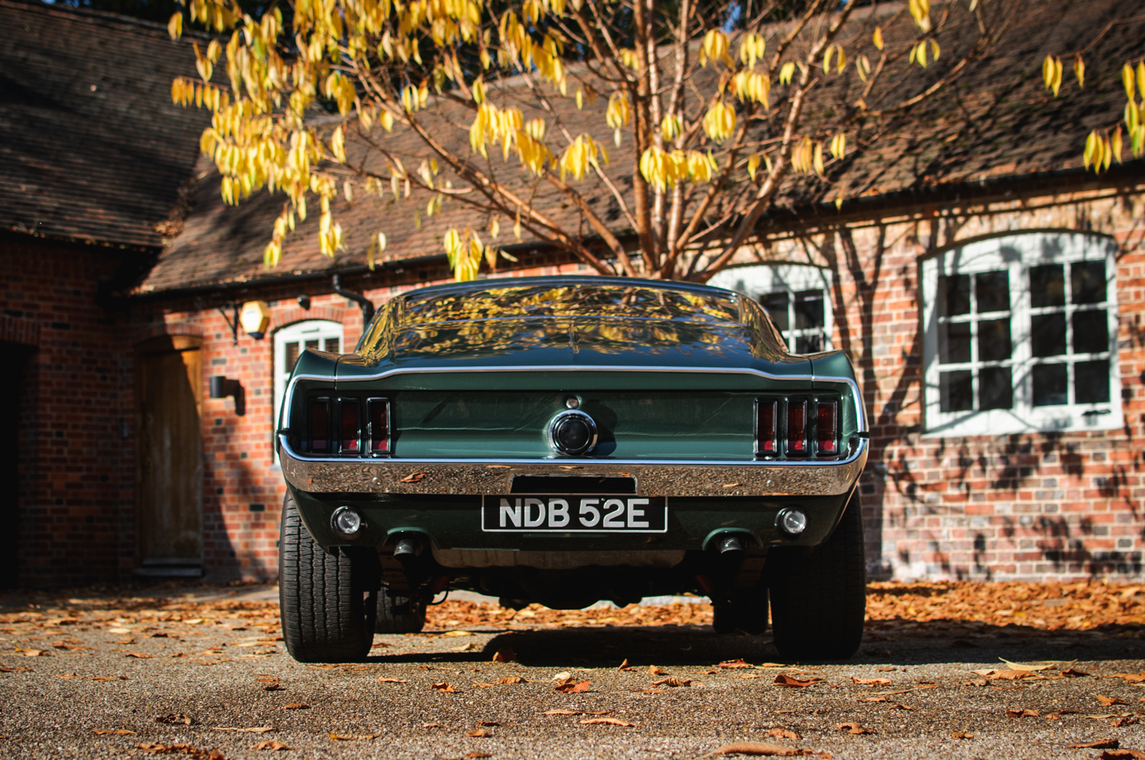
(255, 318)
(219, 386)
(222, 386)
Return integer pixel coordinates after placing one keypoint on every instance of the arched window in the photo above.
(797, 296)
(290, 342)
(1021, 335)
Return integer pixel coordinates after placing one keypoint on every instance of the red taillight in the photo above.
(379, 410)
(827, 416)
(351, 431)
(797, 428)
(320, 426)
(766, 435)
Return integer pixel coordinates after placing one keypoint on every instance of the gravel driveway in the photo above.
(180, 673)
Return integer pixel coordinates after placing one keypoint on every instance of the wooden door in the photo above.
(170, 455)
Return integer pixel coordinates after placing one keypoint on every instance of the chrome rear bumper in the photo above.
(494, 477)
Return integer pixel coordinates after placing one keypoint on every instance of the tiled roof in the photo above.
(995, 123)
(91, 146)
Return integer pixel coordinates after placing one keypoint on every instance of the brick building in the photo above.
(989, 289)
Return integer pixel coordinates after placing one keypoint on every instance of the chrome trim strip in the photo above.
(856, 394)
(493, 476)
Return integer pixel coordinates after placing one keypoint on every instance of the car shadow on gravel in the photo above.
(895, 642)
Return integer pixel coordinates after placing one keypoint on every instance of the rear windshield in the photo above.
(599, 301)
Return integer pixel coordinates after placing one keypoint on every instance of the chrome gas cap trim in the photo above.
(572, 433)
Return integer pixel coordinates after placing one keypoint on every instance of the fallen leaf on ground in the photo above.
(673, 681)
(35, 652)
(111, 731)
(479, 733)
(785, 680)
(961, 735)
(572, 687)
(382, 679)
(655, 670)
(561, 712)
(432, 725)
(1096, 744)
(1005, 675)
(1030, 668)
(274, 687)
(872, 681)
(737, 663)
(477, 755)
(1109, 701)
(296, 706)
(251, 730)
(511, 680)
(782, 733)
(504, 655)
(353, 737)
(1021, 713)
(902, 707)
(608, 721)
(175, 719)
(273, 745)
(1130, 677)
(490, 723)
(1073, 673)
(443, 686)
(874, 699)
(138, 655)
(853, 728)
(624, 665)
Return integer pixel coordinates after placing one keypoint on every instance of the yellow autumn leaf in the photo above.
(175, 25)
(1079, 71)
(1127, 80)
(786, 72)
(1115, 144)
(877, 37)
(752, 165)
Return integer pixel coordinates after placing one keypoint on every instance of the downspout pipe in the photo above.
(366, 304)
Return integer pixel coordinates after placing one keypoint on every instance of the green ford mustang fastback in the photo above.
(564, 440)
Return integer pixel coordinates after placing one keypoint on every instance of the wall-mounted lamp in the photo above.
(222, 387)
(255, 318)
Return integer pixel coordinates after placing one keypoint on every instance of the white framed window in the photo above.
(796, 296)
(1020, 335)
(290, 342)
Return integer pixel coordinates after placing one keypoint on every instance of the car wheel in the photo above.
(818, 598)
(399, 614)
(326, 615)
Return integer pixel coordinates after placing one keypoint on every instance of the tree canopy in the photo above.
(688, 117)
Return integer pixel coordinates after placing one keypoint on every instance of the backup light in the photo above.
(346, 521)
(797, 428)
(351, 432)
(791, 521)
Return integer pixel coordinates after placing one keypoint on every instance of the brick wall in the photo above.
(75, 470)
(1057, 505)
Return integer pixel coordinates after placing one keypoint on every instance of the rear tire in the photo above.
(327, 613)
(819, 599)
(399, 614)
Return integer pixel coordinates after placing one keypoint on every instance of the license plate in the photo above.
(574, 514)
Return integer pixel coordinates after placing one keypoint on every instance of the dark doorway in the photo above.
(15, 452)
(170, 453)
